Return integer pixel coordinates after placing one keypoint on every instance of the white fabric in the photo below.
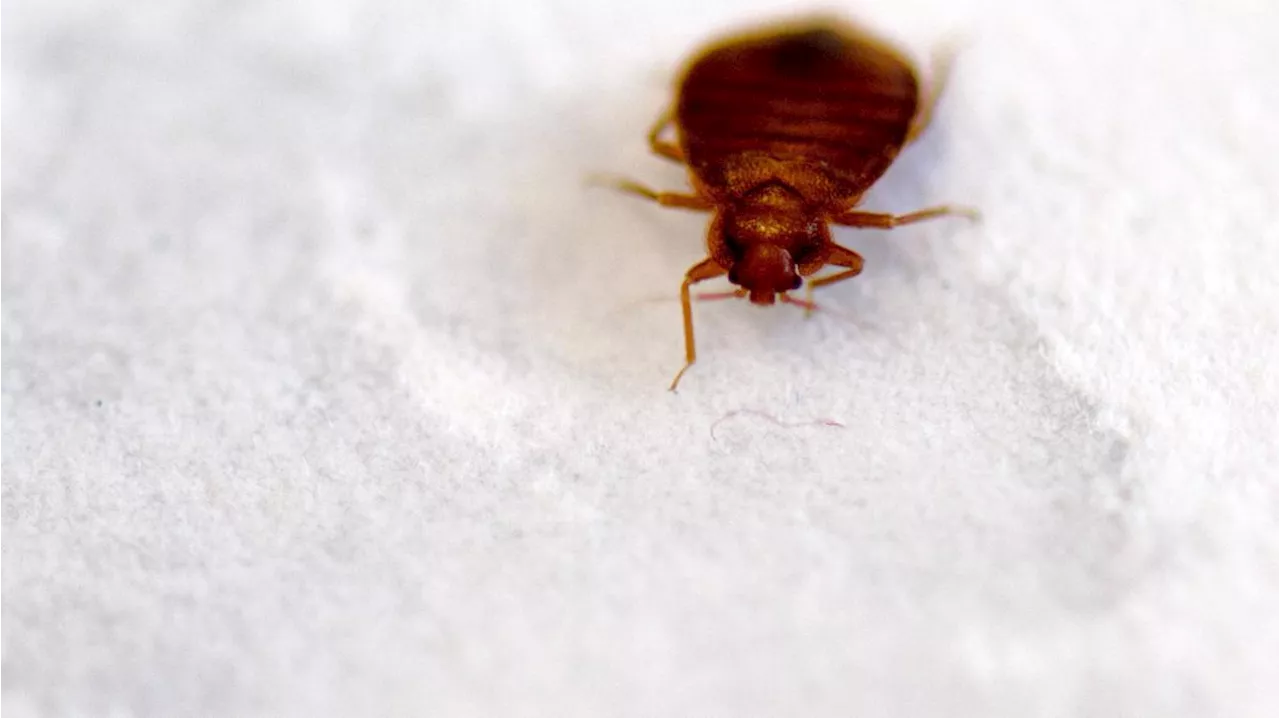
(330, 388)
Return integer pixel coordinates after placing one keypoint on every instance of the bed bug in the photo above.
(782, 130)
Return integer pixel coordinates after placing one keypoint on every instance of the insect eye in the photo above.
(797, 282)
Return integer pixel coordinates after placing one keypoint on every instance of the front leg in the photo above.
(839, 257)
(704, 270)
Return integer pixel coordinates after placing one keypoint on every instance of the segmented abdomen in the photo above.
(825, 94)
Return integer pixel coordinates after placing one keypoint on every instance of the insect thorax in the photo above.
(766, 236)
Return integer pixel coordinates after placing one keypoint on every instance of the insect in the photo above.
(782, 130)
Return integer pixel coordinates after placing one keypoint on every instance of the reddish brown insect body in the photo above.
(782, 132)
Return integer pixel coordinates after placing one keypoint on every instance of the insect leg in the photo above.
(661, 147)
(666, 199)
(939, 74)
(706, 269)
(840, 257)
(854, 218)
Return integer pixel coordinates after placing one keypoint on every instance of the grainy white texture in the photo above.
(330, 390)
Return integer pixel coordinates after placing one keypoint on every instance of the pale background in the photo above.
(330, 390)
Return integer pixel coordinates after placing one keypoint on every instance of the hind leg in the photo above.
(939, 75)
(661, 147)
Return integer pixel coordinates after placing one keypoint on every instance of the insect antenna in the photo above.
(713, 296)
(805, 304)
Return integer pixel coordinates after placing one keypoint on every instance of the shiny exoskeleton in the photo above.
(782, 131)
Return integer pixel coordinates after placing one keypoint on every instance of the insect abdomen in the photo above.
(820, 94)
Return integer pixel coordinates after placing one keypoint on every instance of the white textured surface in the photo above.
(329, 389)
